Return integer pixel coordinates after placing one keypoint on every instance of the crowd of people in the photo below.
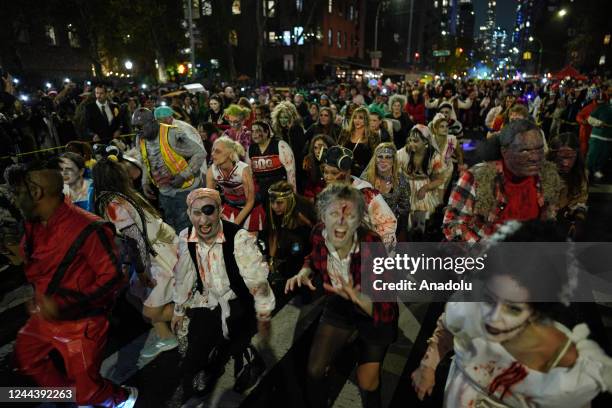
(223, 203)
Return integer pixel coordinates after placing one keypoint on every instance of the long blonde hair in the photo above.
(371, 138)
(369, 174)
(291, 111)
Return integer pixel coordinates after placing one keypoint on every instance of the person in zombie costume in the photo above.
(522, 186)
(236, 116)
(150, 243)
(336, 258)
(337, 165)
(172, 161)
(289, 223)
(565, 153)
(270, 158)
(235, 179)
(287, 125)
(72, 262)
(221, 285)
(312, 165)
(509, 350)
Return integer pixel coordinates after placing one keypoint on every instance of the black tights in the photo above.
(327, 342)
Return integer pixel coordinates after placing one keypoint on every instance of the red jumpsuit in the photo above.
(84, 297)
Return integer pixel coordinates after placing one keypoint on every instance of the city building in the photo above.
(303, 38)
(465, 24)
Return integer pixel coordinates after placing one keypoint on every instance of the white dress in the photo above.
(484, 374)
(163, 240)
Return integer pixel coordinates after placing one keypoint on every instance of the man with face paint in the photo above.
(236, 115)
(71, 260)
(522, 186)
(221, 285)
(173, 162)
(509, 352)
(337, 164)
(336, 257)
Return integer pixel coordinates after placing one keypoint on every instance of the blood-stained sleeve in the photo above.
(184, 275)
(383, 220)
(254, 270)
(438, 345)
(288, 160)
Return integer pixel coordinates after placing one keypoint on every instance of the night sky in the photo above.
(505, 13)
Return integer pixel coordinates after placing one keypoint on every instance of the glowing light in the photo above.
(163, 103)
(562, 13)
(15, 81)
(181, 69)
(251, 100)
(66, 80)
(143, 86)
(48, 85)
(128, 64)
(24, 97)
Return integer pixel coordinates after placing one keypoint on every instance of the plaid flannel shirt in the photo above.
(382, 312)
(462, 223)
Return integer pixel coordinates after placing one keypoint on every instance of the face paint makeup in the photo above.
(341, 222)
(205, 217)
(70, 172)
(505, 311)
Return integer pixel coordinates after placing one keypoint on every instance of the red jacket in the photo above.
(93, 277)
(417, 112)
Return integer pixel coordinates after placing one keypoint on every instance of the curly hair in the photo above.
(236, 148)
(237, 110)
(397, 98)
(289, 109)
(369, 174)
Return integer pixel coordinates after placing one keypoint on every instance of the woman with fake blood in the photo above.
(336, 257)
(509, 350)
(235, 178)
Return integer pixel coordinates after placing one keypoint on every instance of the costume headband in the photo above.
(204, 193)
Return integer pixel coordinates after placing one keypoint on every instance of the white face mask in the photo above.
(502, 321)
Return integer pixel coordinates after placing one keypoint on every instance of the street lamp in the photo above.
(128, 65)
(540, 51)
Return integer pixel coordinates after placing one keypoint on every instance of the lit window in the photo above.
(607, 39)
(50, 34)
(444, 3)
(299, 5)
(436, 4)
(330, 6)
(195, 9)
(345, 43)
(298, 33)
(330, 37)
(236, 7)
(339, 40)
(287, 38)
(351, 13)
(233, 38)
(73, 37)
(272, 37)
(207, 8)
(602, 60)
(269, 8)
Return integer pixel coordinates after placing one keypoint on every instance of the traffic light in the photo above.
(417, 56)
(458, 52)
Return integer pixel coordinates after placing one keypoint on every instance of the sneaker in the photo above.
(598, 175)
(161, 346)
(132, 397)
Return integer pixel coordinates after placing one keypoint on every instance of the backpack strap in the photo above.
(70, 255)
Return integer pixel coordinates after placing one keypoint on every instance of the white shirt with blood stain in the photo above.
(337, 266)
(211, 267)
(481, 368)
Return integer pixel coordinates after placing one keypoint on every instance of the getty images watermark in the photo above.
(424, 272)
